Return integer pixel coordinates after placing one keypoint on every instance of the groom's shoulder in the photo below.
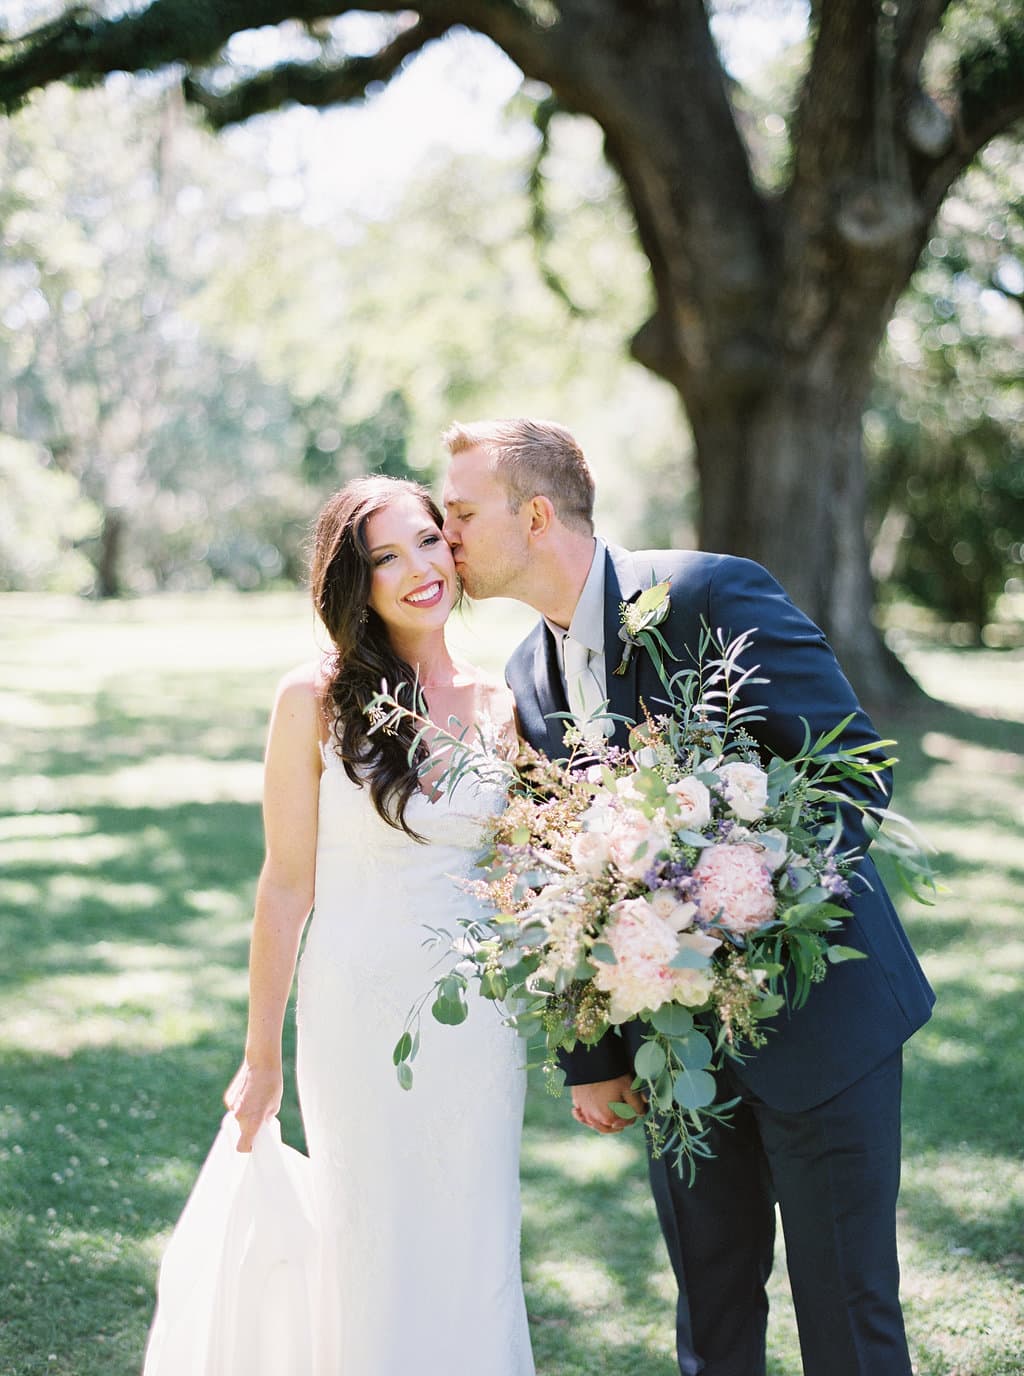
(520, 661)
(690, 570)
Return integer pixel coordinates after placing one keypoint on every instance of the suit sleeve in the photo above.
(605, 1060)
(804, 680)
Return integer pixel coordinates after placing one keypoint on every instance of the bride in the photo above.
(416, 1193)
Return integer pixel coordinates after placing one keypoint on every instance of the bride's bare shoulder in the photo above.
(304, 681)
(300, 692)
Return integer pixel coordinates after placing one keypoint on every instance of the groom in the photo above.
(817, 1128)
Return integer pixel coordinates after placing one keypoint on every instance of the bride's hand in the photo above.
(253, 1096)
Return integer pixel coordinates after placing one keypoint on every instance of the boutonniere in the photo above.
(639, 618)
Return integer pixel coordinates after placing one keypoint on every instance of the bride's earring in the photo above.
(363, 617)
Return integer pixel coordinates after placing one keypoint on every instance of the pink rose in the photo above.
(735, 888)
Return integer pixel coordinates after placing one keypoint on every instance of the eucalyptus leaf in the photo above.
(493, 984)
(652, 598)
(688, 959)
(672, 1019)
(694, 1089)
(602, 952)
(650, 1060)
(405, 1074)
(450, 1011)
(694, 1050)
(625, 1111)
(662, 1091)
(403, 1048)
(694, 838)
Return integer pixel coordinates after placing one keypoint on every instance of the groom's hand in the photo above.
(591, 1104)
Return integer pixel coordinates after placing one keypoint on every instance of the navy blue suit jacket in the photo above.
(864, 1009)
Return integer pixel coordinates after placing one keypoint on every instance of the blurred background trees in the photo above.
(189, 359)
(945, 433)
(201, 367)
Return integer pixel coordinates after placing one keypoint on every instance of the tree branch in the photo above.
(838, 95)
(82, 46)
(989, 99)
(916, 21)
(310, 83)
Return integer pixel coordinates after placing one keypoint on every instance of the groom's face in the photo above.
(488, 541)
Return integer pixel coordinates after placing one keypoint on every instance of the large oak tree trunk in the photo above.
(782, 482)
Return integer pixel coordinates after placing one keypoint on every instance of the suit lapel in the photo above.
(621, 584)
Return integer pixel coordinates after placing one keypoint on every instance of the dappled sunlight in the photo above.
(21, 710)
(149, 997)
(581, 1156)
(979, 759)
(162, 781)
(49, 825)
(952, 676)
(580, 1281)
(998, 971)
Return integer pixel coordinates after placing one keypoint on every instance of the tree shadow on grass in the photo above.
(592, 1254)
(973, 728)
(100, 731)
(963, 1086)
(151, 883)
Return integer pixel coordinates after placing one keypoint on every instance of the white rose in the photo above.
(671, 909)
(699, 942)
(589, 852)
(625, 788)
(746, 789)
(600, 815)
(694, 800)
(774, 845)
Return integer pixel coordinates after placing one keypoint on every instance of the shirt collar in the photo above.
(587, 624)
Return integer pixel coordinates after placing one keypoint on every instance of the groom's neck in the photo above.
(558, 574)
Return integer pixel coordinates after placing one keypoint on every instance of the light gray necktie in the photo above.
(582, 689)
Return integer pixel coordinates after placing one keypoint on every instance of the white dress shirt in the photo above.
(581, 646)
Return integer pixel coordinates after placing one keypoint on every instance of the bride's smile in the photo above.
(413, 585)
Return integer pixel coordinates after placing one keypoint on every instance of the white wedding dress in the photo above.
(416, 1192)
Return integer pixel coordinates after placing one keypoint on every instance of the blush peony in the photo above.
(641, 980)
(734, 888)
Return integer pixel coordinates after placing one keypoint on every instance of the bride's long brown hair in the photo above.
(340, 578)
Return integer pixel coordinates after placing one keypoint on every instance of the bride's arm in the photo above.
(284, 897)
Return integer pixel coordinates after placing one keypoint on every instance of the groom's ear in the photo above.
(542, 515)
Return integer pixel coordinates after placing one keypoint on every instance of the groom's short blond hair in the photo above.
(533, 458)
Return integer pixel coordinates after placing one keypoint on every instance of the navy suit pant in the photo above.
(834, 1172)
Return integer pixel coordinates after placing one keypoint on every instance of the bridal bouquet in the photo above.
(683, 881)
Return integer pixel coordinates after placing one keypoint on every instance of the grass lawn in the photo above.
(129, 846)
